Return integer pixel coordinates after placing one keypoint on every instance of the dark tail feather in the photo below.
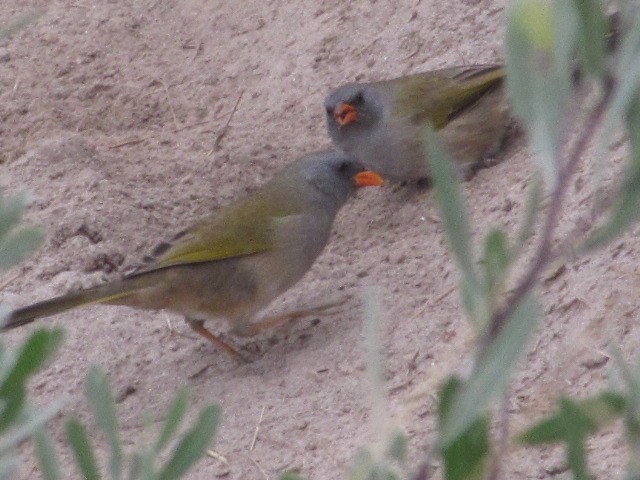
(100, 294)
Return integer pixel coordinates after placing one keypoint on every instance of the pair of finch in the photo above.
(233, 263)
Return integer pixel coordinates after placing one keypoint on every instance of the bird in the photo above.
(382, 123)
(234, 262)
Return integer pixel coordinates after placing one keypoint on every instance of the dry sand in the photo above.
(110, 113)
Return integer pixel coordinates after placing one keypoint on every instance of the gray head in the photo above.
(333, 175)
(352, 110)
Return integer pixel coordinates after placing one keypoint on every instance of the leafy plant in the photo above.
(141, 464)
(547, 43)
(20, 421)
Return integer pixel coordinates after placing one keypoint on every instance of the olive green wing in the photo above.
(439, 96)
(241, 230)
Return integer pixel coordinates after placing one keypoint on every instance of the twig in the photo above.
(217, 456)
(216, 144)
(173, 112)
(129, 142)
(443, 296)
(543, 253)
(196, 124)
(175, 130)
(264, 474)
(4, 284)
(199, 49)
(255, 433)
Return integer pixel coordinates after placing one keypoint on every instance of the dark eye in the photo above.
(358, 99)
(343, 167)
(329, 110)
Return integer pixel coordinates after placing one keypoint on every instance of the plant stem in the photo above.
(543, 255)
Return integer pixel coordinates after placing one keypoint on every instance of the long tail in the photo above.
(109, 292)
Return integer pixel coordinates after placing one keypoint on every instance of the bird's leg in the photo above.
(198, 327)
(254, 328)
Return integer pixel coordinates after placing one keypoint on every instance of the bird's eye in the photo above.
(359, 98)
(343, 166)
(330, 110)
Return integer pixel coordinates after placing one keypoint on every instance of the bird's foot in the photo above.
(198, 327)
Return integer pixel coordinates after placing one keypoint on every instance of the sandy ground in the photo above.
(110, 114)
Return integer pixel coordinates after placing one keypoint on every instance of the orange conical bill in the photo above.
(345, 114)
(368, 179)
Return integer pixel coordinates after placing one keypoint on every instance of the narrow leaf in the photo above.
(176, 413)
(82, 450)
(534, 199)
(8, 466)
(397, 449)
(594, 413)
(466, 457)
(101, 399)
(18, 245)
(540, 42)
(193, 445)
(20, 23)
(592, 34)
(291, 476)
(33, 421)
(496, 262)
(627, 207)
(33, 353)
(454, 213)
(47, 457)
(493, 372)
(456, 225)
(11, 210)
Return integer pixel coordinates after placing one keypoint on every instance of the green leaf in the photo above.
(18, 245)
(8, 467)
(627, 206)
(82, 450)
(291, 476)
(367, 468)
(633, 396)
(4, 314)
(176, 413)
(19, 23)
(193, 444)
(492, 373)
(31, 422)
(456, 225)
(534, 199)
(47, 455)
(592, 35)
(7, 362)
(496, 262)
(142, 466)
(454, 214)
(101, 399)
(397, 449)
(627, 73)
(376, 370)
(540, 39)
(466, 456)
(11, 210)
(573, 423)
(593, 414)
(32, 355)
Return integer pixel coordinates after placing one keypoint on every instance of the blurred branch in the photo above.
(544, 254)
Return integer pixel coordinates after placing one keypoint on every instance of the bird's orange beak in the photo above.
(368, 179)
(345, 114)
